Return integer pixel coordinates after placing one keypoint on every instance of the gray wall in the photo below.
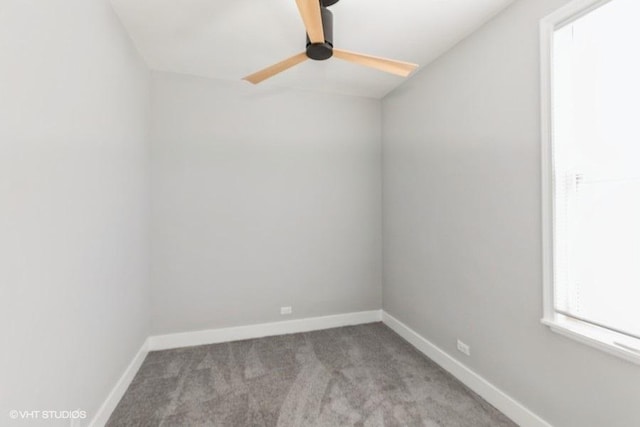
(74, 205)
(262, 198)
(462, 226)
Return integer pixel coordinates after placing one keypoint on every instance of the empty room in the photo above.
(319, 213)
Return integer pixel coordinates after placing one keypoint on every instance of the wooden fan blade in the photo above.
(312, 17)
(389, 65)
(271, 71)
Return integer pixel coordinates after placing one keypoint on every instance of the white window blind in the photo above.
(596, 167)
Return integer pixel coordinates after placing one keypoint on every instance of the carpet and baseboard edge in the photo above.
(503, 402)
(513, 409)
(109, 405)
(236, 333)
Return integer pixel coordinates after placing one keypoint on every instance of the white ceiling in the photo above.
(229, 39)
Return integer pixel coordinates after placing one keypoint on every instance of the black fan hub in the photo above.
(327, 3)
(319, 51)
(322, 51)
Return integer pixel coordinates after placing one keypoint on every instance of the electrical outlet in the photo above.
(286, 310)
(464, 348)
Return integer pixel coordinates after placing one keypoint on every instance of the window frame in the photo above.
(584, 332)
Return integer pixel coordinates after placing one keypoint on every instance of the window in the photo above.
(591, 173)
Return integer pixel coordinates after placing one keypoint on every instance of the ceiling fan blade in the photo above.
(312, 17)
(271, 71)
(388, 65)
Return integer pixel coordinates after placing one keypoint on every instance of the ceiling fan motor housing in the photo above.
(322, 51)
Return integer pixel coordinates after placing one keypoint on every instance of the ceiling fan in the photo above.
(318, 21)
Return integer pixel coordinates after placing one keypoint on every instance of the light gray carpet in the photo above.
(353, 376)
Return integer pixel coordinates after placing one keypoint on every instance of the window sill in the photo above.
(603, 339)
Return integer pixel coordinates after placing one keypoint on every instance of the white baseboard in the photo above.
(213, 336)
(507, 405)
(102, 416)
